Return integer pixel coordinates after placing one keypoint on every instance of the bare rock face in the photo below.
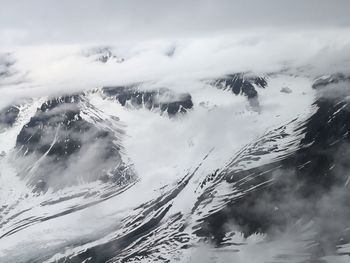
(325, 81)
(241, 83)
(47, 126)
(164, 100)
(307, 185)
(58, 136)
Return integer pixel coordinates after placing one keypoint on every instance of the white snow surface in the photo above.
(167, 154)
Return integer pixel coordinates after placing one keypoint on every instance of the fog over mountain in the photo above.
(175, 131)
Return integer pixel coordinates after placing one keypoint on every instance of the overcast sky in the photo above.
(46, 39)
(24, 22)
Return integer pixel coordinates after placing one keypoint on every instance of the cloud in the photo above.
(56, 69)
(40, 21)
(178, 45)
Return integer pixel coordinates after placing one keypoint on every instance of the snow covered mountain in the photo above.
(143, 173)
(175, 131)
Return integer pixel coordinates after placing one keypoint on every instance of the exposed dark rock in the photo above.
(58, 132)
(241, 83)
(162, 99)
(311, 184)
(331, 79)
(57, 120)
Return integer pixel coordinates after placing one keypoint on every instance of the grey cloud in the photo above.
(39, 21)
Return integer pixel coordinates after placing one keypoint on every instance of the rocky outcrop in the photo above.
(163, 100)
(311, 185)
(57, 137)
(241, 83)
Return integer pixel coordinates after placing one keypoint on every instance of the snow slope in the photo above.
(209, 184)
